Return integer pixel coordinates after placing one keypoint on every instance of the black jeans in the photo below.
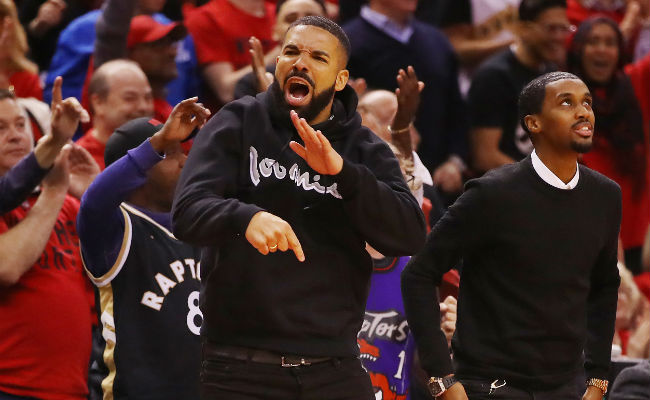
(337, 379)
(480, 389)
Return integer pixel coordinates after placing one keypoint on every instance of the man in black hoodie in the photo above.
(291, 169)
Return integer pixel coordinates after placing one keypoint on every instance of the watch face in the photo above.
(436, 387)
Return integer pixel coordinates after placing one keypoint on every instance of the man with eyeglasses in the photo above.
(495, 136)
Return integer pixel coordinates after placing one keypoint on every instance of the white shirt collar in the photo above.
(549, 177)
(386, 25)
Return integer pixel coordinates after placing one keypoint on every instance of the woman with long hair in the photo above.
(16, 70)
(620, 147)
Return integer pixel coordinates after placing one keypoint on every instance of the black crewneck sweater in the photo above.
(539, 281)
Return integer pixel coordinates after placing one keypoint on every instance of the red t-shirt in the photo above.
(161, 109)
(46, 318)
(221, 32)
(26, 84)
(576, 13)
(94, 147)
(639, 74)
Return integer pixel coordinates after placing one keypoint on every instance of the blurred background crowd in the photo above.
(125, 59)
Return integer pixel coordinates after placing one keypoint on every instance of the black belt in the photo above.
(262, 356)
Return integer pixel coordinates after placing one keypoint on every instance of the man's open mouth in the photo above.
(297, 92)
(584, 129)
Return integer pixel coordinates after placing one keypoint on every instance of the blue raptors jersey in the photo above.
(150, 315)
(385, 342)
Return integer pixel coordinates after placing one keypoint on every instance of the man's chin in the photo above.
(582, 147)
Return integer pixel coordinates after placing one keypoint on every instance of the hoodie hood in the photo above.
(344, 118)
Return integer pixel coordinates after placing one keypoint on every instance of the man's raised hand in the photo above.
(83, 170)
(263, 78)
(269, 233)
(184, 118)
(317, 151)
(66, 114)
(408, 97)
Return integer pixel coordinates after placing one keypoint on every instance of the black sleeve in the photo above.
(454, 12)
(487, 99)
(459, 231)
(205, 209)
(603, 296)
(379, 202)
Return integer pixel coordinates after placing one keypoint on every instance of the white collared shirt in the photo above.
(549, 177)
(386, 25)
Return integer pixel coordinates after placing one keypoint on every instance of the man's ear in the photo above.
(533, 124)
(341, 79)
(95, 101)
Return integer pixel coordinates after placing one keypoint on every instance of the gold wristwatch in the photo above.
(599, 383)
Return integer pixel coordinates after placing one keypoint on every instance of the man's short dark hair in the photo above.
(328, 25)
(532, 95)
(529, 10)
(279, 3)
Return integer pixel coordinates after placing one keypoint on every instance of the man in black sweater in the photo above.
(539, 282)
(259, 178)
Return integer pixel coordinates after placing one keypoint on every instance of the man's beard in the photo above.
(581, 147)
(310, 110)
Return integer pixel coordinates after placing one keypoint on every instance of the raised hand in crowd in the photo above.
(317, 151)
(82, 168)
(66, 115)
(184, 118)
(408, 101)
(263, 78)
(50, 14)
(448, 313)
(632, 19)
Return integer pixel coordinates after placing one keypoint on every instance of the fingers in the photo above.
(56, 91)
(298, 149)
(294, 244)
(306, 132)
(268, 233)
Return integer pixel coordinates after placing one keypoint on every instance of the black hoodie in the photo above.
(241, 163)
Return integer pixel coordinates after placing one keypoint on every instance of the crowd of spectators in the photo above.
(123, 60)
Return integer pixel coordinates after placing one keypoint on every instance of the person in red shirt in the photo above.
(17, 72)
(620, 149)
(46, 302)
(221, 30)
(118, 92)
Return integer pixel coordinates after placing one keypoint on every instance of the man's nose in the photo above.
(300, 63)
(583, 112)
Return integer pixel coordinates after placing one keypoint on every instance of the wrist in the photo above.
(438, 386)
(47, 149)
(398, 128)
(158, 142)
(598, 384)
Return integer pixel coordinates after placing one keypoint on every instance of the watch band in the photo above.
(437, 386)
(599, 383)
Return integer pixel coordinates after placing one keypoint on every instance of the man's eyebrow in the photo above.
(291, 46)
(320, 53)
(564, 94)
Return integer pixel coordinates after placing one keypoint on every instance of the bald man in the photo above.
(119, 92)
